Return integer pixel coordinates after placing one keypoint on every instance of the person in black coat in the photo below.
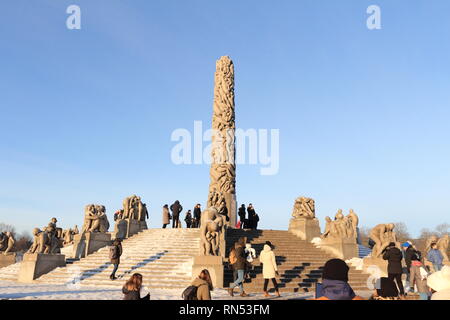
(241, 214)
(251, 217)
(197, 215)
(394, 257)
(176, 209)
(188, 219)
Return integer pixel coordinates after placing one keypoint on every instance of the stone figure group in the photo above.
(7, 242)
(342, 226)
(68, 235)
(134, 209)
(95, 219)
(382, 235)
(48, 240)
(304, 208)
(212, 228)
(442, 245)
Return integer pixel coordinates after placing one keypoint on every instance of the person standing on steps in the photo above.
(188, 219)
(270, 269)
(197, 215)
(241, 214)
(251, 217)
(176, 209)
(133, 288)
(115, 251)
(239, 267)
(394, 257)
(165, 216)
(418, 278)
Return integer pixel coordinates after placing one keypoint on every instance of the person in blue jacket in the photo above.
(435, 257)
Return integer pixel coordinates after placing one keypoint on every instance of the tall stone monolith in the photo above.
(222, 189)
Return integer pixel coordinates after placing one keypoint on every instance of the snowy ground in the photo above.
(14, 290)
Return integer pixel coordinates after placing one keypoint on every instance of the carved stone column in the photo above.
(222, 189)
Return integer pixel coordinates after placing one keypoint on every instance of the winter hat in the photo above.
(335, 269)
(440, 280)
(406, 244)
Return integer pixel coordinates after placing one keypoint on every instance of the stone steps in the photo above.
(299, 262)
(163, 257)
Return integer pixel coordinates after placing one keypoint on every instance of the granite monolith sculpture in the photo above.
(222, 188)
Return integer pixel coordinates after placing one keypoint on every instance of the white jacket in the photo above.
(267, 258)
(250, 252)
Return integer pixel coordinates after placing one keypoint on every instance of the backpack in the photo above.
(113, 252)
(190, 293)
(232, 258)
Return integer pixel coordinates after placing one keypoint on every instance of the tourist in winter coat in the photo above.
(250, 217)
(115, 253)
(239, 266)
(204, 285)
(197, 215)
(188, 219)
(176, 209)
(133, 287)
(418, 277)
(439, 283)
(270, 269)
(241, 214)
(410, 252)
(335, 282)
(394, 257)
(165, 216)
(435, 257)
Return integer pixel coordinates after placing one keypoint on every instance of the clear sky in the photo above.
(87, 115)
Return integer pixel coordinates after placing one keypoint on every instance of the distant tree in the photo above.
(442, 229)
(7, 228)
(401, 230)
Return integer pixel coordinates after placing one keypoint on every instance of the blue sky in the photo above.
(87, 115)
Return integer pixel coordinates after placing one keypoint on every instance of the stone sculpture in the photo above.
(382, 235)
(304, 208)
(211, 232)
(7, 242)
(442, 245)
(95, 219)
(68, 235)
(223, 167)
(342, 227)
(48, 240)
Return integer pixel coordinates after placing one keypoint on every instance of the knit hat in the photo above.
(335, 269)
(406, 244)
(440, 280)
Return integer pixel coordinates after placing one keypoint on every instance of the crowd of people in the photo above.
(248, 218)
(192, 219)
(419, 278)
(334, 284)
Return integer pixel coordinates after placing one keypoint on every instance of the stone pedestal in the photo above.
(377, 262)
(6, 260)
(214, 264)
(133, 227)
(341, 248)
(35, 265)
(305, 229)
(89, 242)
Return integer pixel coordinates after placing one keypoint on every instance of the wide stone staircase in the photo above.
(300, 263)
(163, 256)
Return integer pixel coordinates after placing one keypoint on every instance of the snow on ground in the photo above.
(14, 290)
